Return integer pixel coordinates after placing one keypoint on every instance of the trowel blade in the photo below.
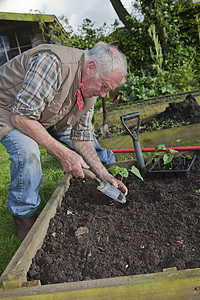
(112, 192)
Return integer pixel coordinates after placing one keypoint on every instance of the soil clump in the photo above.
(177, 114)
(186, 112)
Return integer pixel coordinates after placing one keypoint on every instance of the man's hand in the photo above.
(116, 183)
(73, 164)
(88, 152)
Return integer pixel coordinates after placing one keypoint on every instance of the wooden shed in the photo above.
(20, 32)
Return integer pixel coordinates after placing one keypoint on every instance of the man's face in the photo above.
(102, 85)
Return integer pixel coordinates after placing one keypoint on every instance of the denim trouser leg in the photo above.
(26, 173)
(63, 136)
(105, 156)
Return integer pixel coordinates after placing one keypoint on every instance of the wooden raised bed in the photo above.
(186, 134)
(146, 112)
(169, 284)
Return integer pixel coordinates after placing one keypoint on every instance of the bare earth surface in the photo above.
(92, 237)
(185, 113)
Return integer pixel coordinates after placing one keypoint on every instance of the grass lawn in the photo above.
(52, 175)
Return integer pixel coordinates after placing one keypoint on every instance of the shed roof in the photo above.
(7, 16)
(21, 18)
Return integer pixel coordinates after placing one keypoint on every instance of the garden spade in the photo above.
(106, 188)
(134, 137)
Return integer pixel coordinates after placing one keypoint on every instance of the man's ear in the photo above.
(91, 67)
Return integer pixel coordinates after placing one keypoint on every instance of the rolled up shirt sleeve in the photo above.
(41, 83)
(83, 128)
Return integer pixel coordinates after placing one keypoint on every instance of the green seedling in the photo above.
(136, 172)
(157, 154)
(167, 158)
(187, 156)
(167, 155)
(197, 191)
(124, 172)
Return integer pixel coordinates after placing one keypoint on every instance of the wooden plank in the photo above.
(170, 285)
(186, 134)
(15, 273)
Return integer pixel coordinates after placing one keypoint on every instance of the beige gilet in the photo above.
(63, 109)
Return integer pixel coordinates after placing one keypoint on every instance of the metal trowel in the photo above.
(106, 188)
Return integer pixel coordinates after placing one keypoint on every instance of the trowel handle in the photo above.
(89, 174)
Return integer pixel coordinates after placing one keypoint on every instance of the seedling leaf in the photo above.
(114, 170)
(135, 171)
(123, 172)
(150, 159)
(167, 158)
(161, 147)
(189, 156)
(173, 151)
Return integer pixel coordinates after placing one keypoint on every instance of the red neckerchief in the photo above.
(79, 97)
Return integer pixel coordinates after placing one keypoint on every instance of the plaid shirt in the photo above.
(41, 83)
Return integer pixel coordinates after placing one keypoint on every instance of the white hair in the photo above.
(108, 59)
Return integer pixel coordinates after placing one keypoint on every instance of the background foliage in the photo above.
(164, 63)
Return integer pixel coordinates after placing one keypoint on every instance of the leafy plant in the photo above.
(158, 57)
(167, 154)
(144, 87)
(187, 156)
(157, 154)
(124, 172)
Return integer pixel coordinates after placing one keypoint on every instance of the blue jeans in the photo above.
(26, 172)
(105, 156)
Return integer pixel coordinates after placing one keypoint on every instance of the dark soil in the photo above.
(186, 112)
(140, 103)
(93, 237)
(176, 114)
(178, 163)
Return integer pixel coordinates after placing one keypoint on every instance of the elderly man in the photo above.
(57, 86)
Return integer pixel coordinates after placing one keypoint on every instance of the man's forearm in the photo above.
(87, 151)
(71, 162)
(37, 132)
